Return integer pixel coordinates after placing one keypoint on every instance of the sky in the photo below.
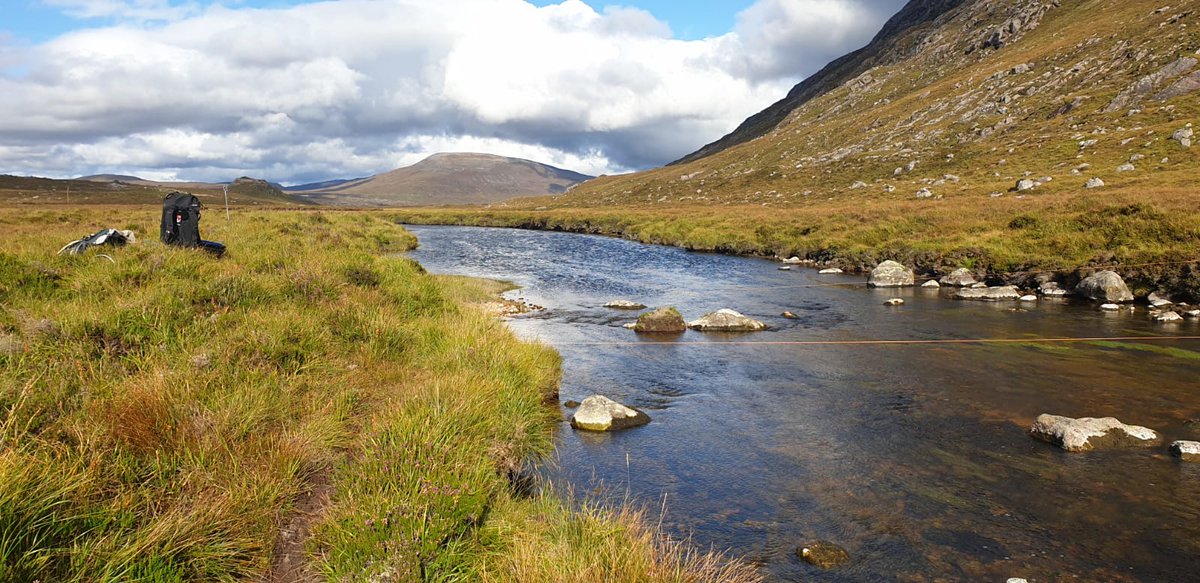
(296, 91)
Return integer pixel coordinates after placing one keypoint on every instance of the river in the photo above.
(914, 458)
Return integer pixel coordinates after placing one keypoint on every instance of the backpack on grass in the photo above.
(181, 223)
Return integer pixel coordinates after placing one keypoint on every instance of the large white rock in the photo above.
(1089, 432)
(989, 294)
(961, 277)
(891, 274)
(1105, 286)
(931, 284)
(793, 260)
(829, 270)
(726, 320)
(599, 413)
(1167, 317)
(1189, 451)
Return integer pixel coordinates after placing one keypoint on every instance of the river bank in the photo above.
(307, 407)
(1007, 241)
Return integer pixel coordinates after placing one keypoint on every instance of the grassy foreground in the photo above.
(163, 415)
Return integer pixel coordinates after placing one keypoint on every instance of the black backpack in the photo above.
(181, 220)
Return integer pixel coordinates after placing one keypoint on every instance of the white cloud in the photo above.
(335, 89)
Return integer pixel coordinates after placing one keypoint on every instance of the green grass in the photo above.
(162, 414)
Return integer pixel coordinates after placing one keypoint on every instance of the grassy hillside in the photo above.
(1073, 93)
(32, 192)
(306, 404)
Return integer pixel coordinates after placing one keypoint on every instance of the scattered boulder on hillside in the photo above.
(662, 320)
(599, 413)
(1149, 83)
(823, 554)
(891, 274)
(1088, 433)
(624, 305)
(726, 320)
(858, 184)
(989, 294)
(1093, 182)
(924, 193)
(1183, 86)
(1188, 451)
(961, 277)
(1024, 184)
(1183, 136)
(910, 166)
(1126, 167)
(1105, 286)
(1021, 69)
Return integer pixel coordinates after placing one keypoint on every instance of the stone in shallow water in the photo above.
(961, 277)
(1088, 433)
(988, 294)
(894, 302)
(1105, 286)
(891, 274)
(662, 320)
(829, 270)
(727, 320)
(823, 554)
(790, 315)
(1110, 307)
(1188, 451)
(931, 283)
(599, 413)
(624, 305)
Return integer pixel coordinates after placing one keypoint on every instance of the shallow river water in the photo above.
(914, 458)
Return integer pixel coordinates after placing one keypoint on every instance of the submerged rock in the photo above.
(599, 413)
(961, 277)
(726, 320)
(894, 302)
(891, 274)
(823, 554)
(1088, 433)
(1188, 451)
(790, 315)
(1105, 286)
(989, 294)
(662, 320)
(624, 305)
(1110, 307)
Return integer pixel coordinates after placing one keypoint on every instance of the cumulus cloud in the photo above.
(355, 87)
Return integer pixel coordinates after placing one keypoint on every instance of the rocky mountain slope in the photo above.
(452, 178)
(1006, 136)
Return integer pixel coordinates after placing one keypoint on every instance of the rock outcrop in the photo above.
(1104, 286)
(891, 274)
(599, 413)
(661, 321)
(726, 320)
(1088, 433)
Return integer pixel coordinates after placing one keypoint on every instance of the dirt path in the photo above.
(290, 563)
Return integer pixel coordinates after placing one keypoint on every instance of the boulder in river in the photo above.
(823, 554)
(829, 270)
(933, 283)
(891, 274)
(793, 260)
(662, 320)
(894, 302)
(1188, 451)
(1028, 298)
(989, 294)
(790, 315)
(961, 277)
(1167, 316)
(599, 413)
(1051, 289)
(1088, 433)
(624, 305)
(726, 320)
(1110, 307)
(1105, 286)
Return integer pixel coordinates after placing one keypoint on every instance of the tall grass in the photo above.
(162, 413)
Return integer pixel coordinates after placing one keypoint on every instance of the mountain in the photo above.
(452, 178)
(1017, 136)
